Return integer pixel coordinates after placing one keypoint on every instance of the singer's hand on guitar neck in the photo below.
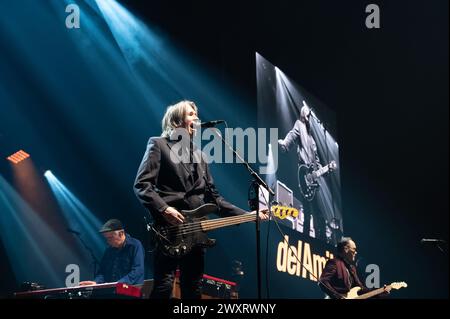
(263, 214)
(387, 289)
(173, 216)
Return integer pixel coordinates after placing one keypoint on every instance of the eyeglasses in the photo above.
(352, 249)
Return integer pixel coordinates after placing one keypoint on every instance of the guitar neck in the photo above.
(372, 293)
(321, 171)
(208, 225)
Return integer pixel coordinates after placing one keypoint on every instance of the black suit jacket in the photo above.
(164, 180)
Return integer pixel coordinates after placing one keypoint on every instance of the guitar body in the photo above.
(353, 293)
(307, 178)
(178, 241)
(306, 182)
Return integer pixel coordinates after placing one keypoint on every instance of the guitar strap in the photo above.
(350, 278)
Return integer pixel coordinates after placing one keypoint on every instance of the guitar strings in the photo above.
(188, 229)
(196, 227)
(210, 221)
(210, 224)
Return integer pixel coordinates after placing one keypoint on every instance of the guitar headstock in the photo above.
(398, 285)
(332, 166)
(283, 211)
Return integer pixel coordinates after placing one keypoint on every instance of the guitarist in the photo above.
(339, 274)
(167, 183)
(301, 136)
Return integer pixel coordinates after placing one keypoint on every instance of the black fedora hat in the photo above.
(111, 225)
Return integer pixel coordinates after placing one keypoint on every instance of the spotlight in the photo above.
(18, 157)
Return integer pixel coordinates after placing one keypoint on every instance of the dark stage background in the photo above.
(87, 117)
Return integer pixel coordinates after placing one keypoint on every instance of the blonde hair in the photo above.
(174, 116)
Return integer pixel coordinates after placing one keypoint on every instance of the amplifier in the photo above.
(211, 288)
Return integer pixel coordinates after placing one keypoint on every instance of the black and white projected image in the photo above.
(307, 154)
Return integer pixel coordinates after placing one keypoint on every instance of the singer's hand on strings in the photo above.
(173, 216)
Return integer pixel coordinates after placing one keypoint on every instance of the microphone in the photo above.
(431, 240)
(70, 230)
(211, 123)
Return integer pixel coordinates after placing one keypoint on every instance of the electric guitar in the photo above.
(178, 240)
(353, 293)
(307, 178)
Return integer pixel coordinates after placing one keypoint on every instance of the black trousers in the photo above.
(191, 272)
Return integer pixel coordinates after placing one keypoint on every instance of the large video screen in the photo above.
(305, 161)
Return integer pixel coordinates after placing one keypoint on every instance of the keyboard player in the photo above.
(123, 260)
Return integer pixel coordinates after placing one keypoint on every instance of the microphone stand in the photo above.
(89, 249)
(257, 181)
(437, 242)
